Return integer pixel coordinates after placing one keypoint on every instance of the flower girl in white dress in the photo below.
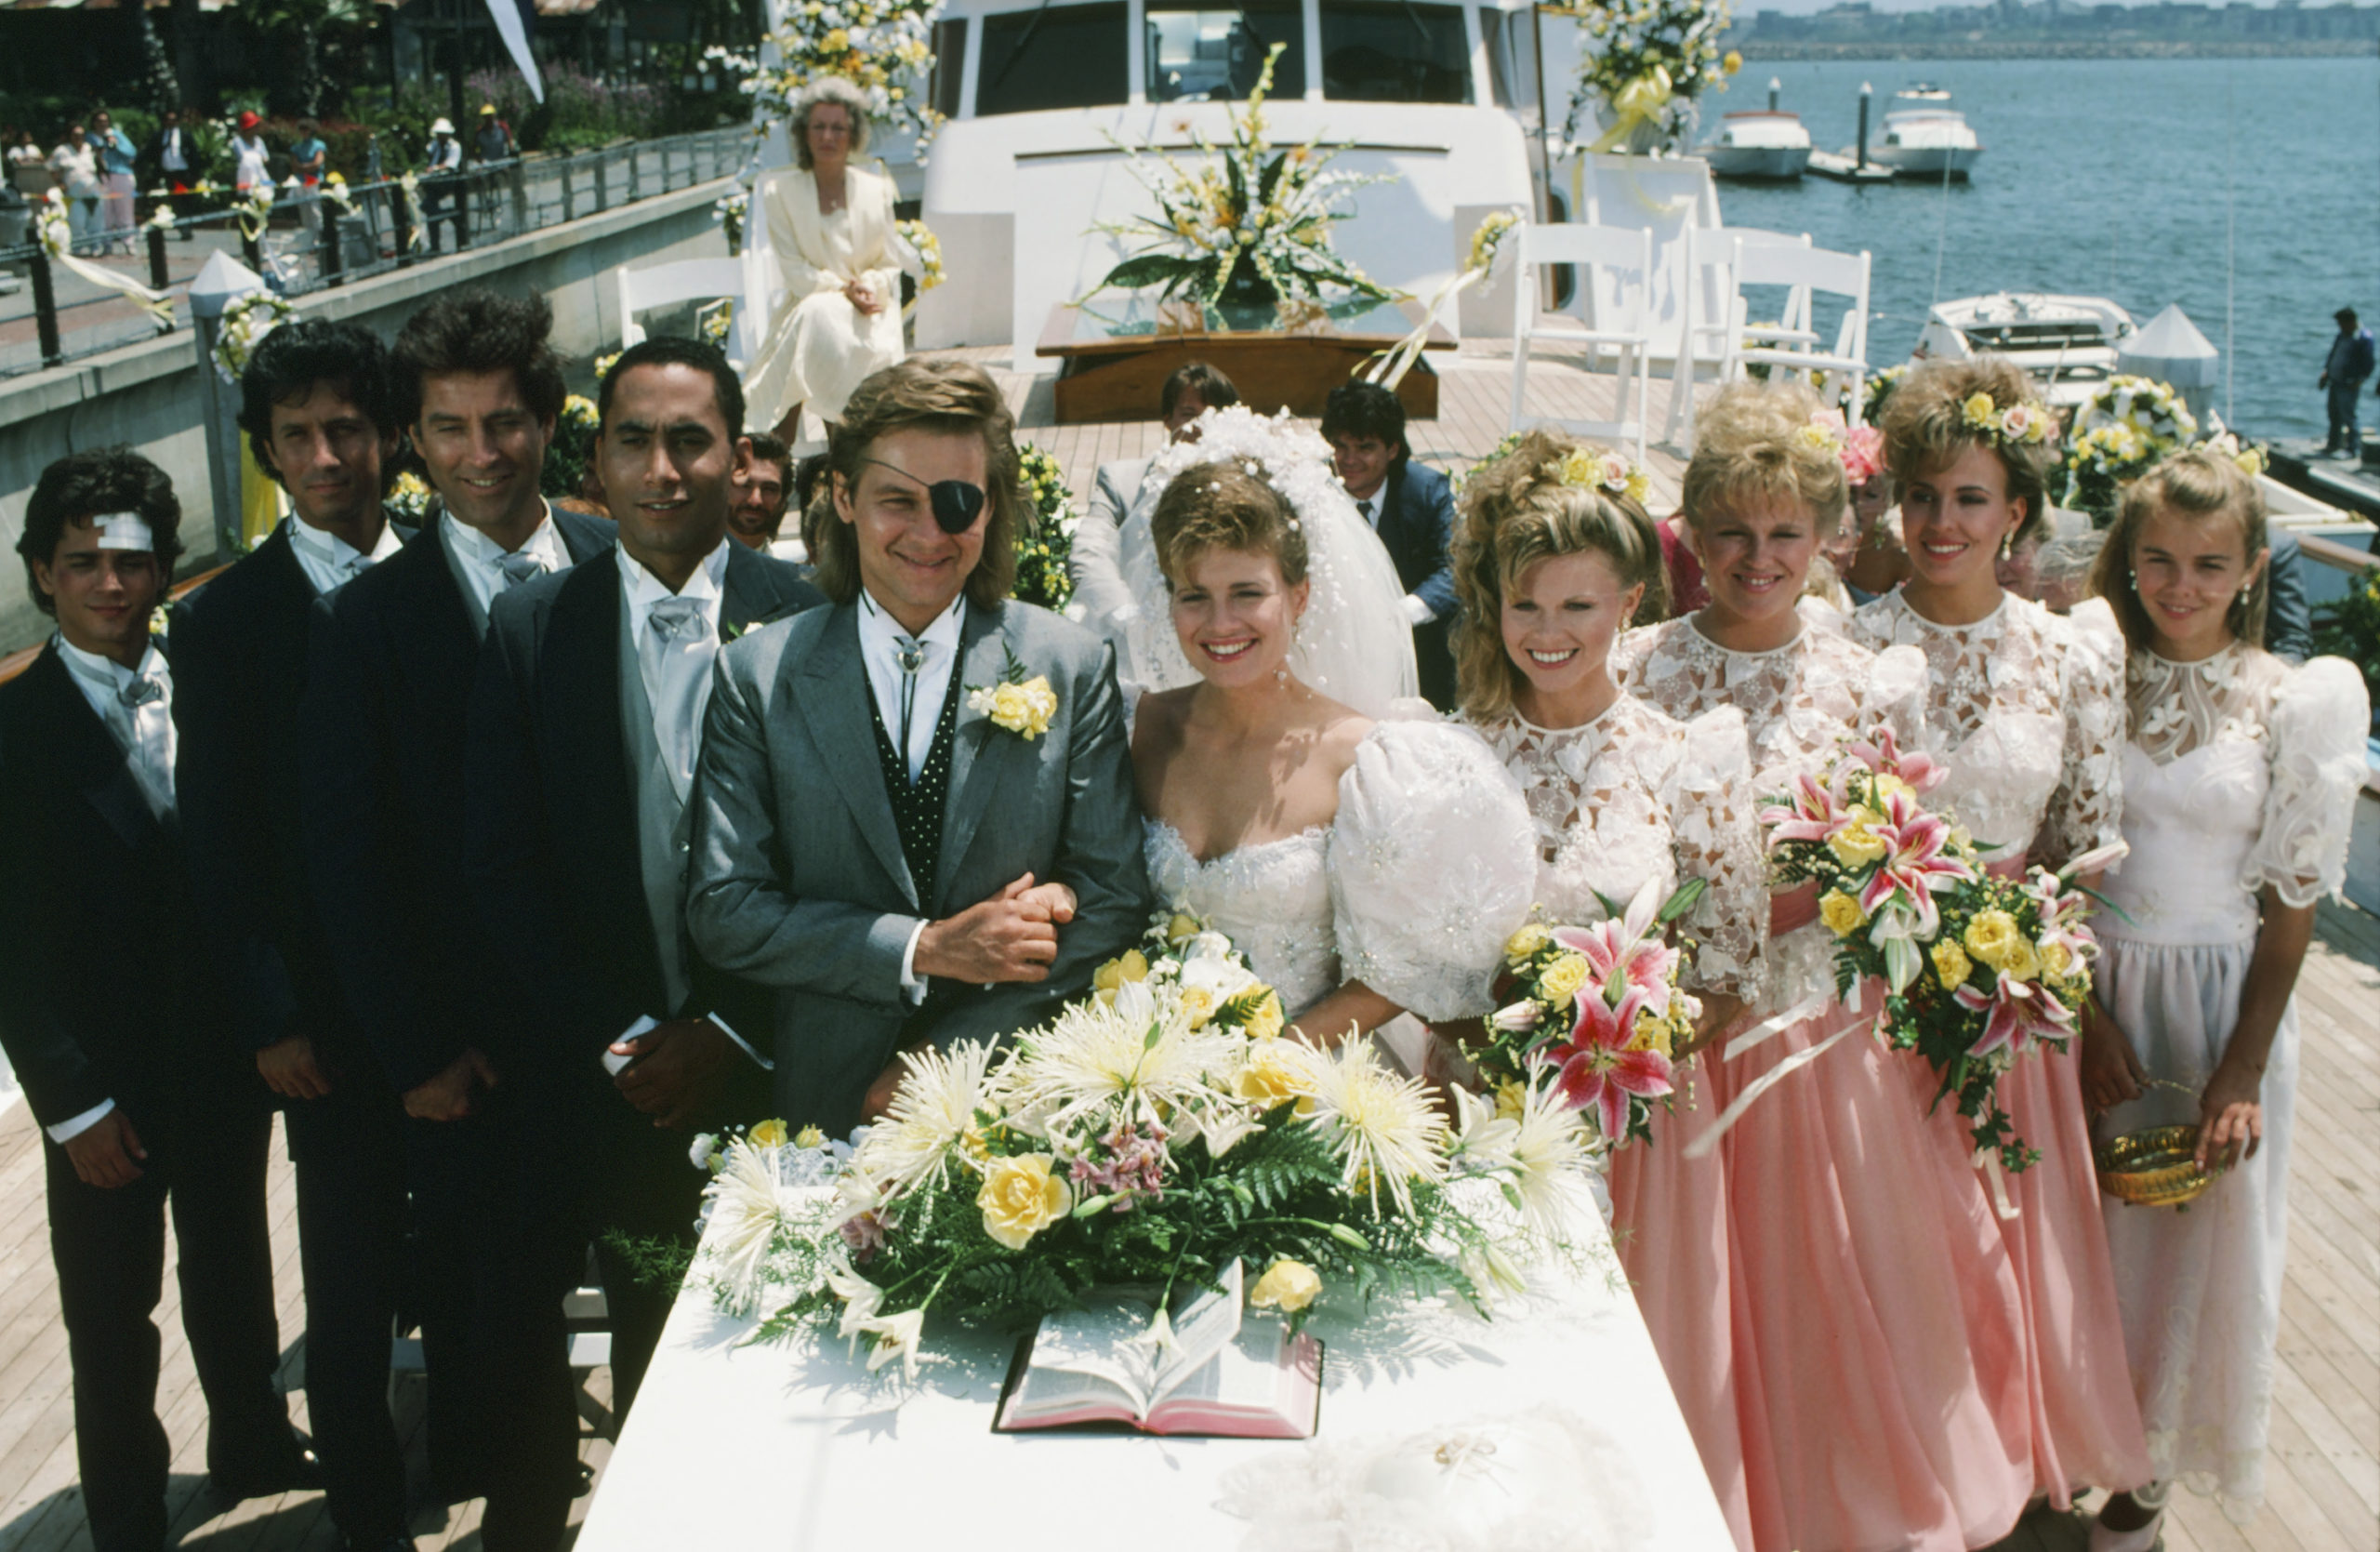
(1365, 867)
(2239, 789)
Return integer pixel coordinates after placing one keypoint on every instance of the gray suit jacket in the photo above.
(1098, 558)
(798, 877)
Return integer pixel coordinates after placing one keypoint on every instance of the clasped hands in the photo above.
(862, 295)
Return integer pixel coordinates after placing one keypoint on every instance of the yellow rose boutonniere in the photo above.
(1020, 705)
(1021, 1198)
(1841, 913)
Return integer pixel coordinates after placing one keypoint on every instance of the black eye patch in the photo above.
(957, 504)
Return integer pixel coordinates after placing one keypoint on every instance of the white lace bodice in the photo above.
(1635, 795)
(2241, 773)
(1411, 888)
(1798, 702)
(2027, 719)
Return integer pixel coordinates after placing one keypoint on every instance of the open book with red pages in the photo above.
(1225, 1376)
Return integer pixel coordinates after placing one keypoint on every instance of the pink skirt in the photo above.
(1882, 1311)
(1669, 1220)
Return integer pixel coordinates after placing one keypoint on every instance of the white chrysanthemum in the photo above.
(746, 1213)
(1552, 1154)
(931, 1113)
(1383, 1125)
(1142, 1050)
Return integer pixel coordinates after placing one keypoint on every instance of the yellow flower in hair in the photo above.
(1979, 410)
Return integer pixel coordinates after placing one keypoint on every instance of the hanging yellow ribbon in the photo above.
(1640, 102)
(57, 241)
(1396, 362)
(262, 502)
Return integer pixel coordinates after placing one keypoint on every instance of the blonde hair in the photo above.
(1753, 445)
(1926, 431)
(933, 393)
(2196, 483)
(1516, 511)
(1222, 505)
(826, 89)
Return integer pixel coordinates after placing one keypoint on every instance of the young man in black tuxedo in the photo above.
(1411, 507)
(112, 1018)
(316, 404)
(586, 724)
(381, 781)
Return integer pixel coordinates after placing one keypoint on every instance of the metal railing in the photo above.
(312, 242)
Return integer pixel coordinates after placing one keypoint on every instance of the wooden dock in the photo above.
(1845, 169)
(2323, 1476)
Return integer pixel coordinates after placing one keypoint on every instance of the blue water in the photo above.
(2107, 178)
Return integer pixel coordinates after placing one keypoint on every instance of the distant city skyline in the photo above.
(1746, 9)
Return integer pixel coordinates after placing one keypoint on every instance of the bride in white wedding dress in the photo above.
(1366, 867)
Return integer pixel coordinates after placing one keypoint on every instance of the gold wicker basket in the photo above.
(2155, 1167)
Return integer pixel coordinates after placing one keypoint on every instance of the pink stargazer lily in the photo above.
(1915, 859)
(2062, 912)
(1596, 1068)
(1626, 956)
(2022, 1012)
(1810, 812)
(1884, 756)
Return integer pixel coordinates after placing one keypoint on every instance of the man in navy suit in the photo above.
(1411, 507)
(111, 1015)
(586, 724)
(388, 682)
(315, 402)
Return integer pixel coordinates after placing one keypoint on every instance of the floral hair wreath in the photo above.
(1587, 469)
(2018, 426)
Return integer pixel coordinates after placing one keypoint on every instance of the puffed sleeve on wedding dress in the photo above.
(1432, 865)
(2320, 714)
(1716, 840)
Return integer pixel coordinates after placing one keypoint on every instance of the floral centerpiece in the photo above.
(2119, 436)
(1046, 545)
(1153, 1133)
(1597, 1010)
(884, 48)
(1254, 227)
(1978, 970)
(1641, 67)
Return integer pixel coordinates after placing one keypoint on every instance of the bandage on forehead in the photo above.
(124, 530)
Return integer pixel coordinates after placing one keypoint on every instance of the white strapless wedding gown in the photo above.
(1412, 888)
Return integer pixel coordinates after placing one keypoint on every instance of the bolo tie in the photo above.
(912, 659)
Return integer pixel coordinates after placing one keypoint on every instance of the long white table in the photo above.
(794, 1445)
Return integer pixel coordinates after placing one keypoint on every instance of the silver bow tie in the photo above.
(673, 617)
(519, 568)
(141, 692)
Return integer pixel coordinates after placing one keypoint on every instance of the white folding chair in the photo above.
(1705, 282)
(1615, 283)
(1792, 325)
(687, 280)
(1807, 272)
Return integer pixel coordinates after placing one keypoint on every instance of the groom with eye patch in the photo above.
(910, 865)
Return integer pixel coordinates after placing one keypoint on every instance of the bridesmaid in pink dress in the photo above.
(1555, 555)
(1857, 1270)
(2029, 719)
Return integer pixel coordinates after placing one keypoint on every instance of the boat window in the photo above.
(949, 65)
(1200, 55)
(1055, 57)
(1492, 29)
(1385, 51)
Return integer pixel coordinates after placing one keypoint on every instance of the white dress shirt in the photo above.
(677, 668)
(329, 561)
(1416, 612)
(483, 558)
(882, 644)
(174, 155)
(145, 733)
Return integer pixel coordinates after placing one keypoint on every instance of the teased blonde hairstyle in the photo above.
(827, 88)
(934, 393)
(2197, 483)
(1222, 506)
(1926, 431)
(1515, 512)
(1752, 445)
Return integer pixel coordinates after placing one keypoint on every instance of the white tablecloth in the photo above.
(793, 1445)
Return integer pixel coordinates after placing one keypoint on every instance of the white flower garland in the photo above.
(247, 318)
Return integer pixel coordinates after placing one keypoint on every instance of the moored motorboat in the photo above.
(1765, 144)
(2069, 344)
(1925, 137)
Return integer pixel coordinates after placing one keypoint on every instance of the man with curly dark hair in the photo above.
(317, 404)
(111, 1015)
(390, 676)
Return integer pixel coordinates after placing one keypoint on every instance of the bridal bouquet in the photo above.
(1153, 1133)
(1978, 970)
(1598, 1012)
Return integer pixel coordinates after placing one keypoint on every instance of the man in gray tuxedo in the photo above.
(1120, 491)
(911, 869)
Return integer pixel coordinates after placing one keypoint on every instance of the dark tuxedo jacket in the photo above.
(388, 680)
(239, 674)
(551, 814)
(103, 994)
(1417, 523)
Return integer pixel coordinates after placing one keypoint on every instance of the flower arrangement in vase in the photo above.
(1641, 67)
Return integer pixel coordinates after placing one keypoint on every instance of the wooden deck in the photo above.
(2323, 1478)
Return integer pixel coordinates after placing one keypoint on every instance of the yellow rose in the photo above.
(1527, 941)
(1991, 937)
(2023, 962)
(2058, 958)
(1950, 962)
(1269, 1078)
(810, 1137)
(1021, 1198)
(1888, 784)
(769, 1134)
(1841, 913)
(1115, 971)
(1563, 978)
(1009, 707)
(1288, 1286)
(1857, 843)
(1199, 1004)
(1266, 1021)
(1182, 928)
(1978, 409)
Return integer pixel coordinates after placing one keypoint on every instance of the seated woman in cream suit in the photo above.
(838, 318)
